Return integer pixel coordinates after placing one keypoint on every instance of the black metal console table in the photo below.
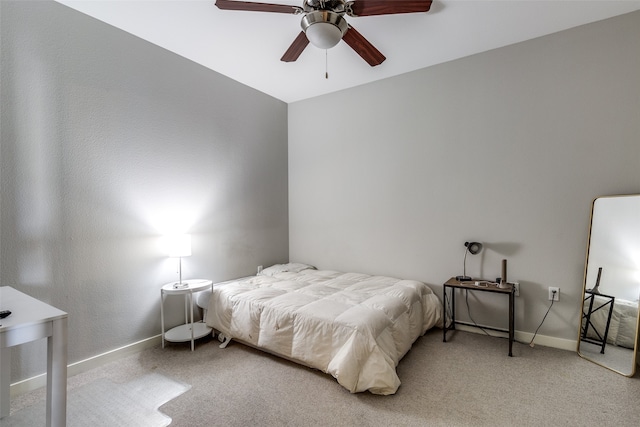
(594, 306)
(454, 284)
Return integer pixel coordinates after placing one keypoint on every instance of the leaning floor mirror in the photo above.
(608, 332)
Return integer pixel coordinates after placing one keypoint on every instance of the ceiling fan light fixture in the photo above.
(324, 28)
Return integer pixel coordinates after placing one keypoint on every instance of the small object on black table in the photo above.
(4, 313)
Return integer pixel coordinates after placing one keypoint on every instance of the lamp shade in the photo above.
(323, 28)
(179, 245)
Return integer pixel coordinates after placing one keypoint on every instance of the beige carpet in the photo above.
(468, 381)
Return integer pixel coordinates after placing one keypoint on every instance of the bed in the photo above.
(353, 326)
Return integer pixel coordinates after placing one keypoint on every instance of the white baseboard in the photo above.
(38, 381)
(525, 337)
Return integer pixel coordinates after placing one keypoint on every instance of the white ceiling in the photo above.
(247, 46)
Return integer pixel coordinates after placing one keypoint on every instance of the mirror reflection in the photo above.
(609, 319)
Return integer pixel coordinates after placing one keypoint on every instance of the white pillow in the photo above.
(281, 268)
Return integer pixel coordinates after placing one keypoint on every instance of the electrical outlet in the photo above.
(259, 269)
(552, 296)
(516, 285)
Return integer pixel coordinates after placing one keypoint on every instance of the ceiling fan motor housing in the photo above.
(337, 6)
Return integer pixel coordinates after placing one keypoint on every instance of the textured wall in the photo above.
(108, 142)
(508, 147)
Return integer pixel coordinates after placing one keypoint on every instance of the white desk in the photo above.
(31, 320)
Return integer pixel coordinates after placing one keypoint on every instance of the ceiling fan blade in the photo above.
(296, 48)
(257, 7)
(366, 50)
(386, 7)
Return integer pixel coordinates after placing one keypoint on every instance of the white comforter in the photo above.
(353, 326)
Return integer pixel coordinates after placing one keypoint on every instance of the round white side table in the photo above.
(190, 331)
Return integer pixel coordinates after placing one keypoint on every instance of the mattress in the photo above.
(353, 326)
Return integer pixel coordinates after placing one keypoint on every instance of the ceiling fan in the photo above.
(323, 23)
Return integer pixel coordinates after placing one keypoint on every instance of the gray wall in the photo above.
(507, 147)
(108, 142)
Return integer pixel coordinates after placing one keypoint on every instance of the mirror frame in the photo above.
(584, 288)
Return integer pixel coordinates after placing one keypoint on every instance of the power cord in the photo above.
(448, 312)
(553, 298)
(466, 300)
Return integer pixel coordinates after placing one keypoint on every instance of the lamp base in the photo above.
(463, 278)
(180, 285)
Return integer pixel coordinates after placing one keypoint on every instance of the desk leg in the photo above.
(5, 381)
(191, 305)
(453, 308)
(606, 331)
(162, 315)
(452, 300)
(444, 314)
(587, 316)
(511, 321)
(57, 374)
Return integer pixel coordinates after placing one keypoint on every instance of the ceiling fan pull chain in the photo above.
(326, 64)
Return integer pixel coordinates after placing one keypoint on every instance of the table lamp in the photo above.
(179, 246)
(473, 248)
